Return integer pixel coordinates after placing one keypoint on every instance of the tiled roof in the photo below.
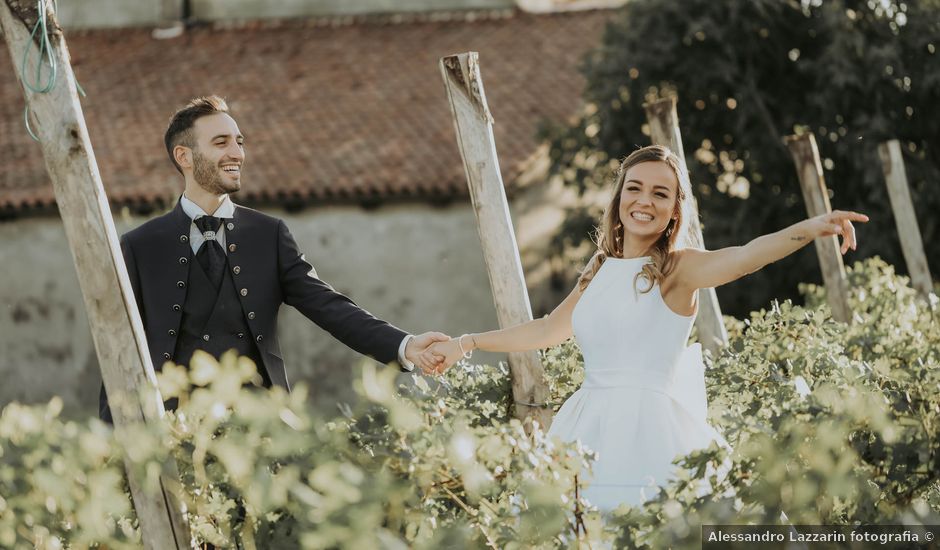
(333, 112)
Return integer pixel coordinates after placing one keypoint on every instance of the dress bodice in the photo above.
(628, 337)
(643, 399)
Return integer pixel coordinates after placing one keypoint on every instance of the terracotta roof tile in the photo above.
(354, 110)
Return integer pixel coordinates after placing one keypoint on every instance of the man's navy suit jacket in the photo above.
(268, 270)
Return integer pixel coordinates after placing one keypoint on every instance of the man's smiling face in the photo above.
(218, 155)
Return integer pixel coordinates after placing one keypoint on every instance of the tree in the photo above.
(747, 73)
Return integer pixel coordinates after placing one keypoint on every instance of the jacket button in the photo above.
(183, 238)
(171, 332)
(244, 292)
(240, 335)
(166, 355)
(183, 260)
(176, 307)
(237, 270)
(251, 314)
(180, 284)
(205, 337)
(232, 247)
(230, 226)
(259, 338)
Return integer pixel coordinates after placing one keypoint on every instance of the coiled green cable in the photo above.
(45, 51)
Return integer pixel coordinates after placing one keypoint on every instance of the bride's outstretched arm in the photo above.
(544, 332)
(710, 268)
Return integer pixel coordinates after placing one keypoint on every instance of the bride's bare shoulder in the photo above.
(683, 256)
(681, 260)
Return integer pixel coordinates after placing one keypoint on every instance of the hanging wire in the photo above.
(45, 51)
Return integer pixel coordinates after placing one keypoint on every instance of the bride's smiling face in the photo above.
(648, 198)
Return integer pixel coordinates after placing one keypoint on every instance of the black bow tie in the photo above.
(210, 255)
(209, 225)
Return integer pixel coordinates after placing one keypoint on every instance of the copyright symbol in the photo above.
(928, 536)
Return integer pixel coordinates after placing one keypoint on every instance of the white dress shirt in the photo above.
(227, 210)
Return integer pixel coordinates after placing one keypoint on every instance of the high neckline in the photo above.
(629, 259)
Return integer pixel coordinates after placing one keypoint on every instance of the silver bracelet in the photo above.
(466, 354)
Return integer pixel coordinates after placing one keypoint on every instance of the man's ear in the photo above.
(183, 156)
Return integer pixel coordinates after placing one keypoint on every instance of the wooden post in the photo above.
(474, 126)
(109, 302)
(906, 219)
(664, 130)
(809, 169)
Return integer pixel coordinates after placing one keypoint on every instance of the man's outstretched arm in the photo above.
(340, 316)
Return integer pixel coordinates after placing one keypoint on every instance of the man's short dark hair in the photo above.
(180, 131)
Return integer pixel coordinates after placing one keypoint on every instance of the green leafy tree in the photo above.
(853, 72)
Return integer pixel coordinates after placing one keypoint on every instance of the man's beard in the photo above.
(208, 176)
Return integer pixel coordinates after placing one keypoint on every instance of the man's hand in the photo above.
(417, 352)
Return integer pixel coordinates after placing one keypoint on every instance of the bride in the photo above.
(642, 402)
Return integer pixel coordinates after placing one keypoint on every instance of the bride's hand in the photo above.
(838, 222)
(449, 350)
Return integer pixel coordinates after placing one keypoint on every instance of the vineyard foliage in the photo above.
(828, 423)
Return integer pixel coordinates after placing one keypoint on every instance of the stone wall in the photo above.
(129, 13)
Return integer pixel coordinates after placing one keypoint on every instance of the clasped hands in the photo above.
(434, 352)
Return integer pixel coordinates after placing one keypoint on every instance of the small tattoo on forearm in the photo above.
(797, 238)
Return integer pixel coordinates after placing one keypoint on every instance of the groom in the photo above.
(212, 275)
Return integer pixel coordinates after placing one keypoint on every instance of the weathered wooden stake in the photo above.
(809, 169)
(892, 163)
(474, 126)
(109, 302)
(664, 130)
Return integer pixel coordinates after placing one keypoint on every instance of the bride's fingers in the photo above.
(840, 216)
(427, 361)
(846, 239)
(432, 370)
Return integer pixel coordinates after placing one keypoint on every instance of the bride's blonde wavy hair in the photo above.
(677, 234)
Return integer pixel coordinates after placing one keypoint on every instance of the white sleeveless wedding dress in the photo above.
(642, 402)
